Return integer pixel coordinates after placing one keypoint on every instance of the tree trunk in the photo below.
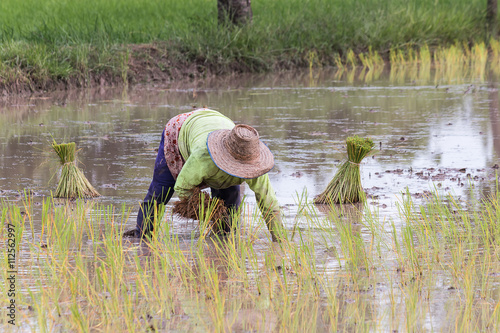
(237, 12)
(491, 17)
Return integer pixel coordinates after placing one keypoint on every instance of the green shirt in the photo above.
(200, 169)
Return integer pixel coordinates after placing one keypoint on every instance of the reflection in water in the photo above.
(494, 117)
(430, 133)
(418, 128)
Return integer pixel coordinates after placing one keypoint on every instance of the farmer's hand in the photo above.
(275, 226)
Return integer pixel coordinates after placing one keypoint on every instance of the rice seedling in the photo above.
(351, 59)
(72, 183)
(211, 212)
(479, 58)
(398, 74)
(346, 184)
(447, 63)
(397, 57)
(338, 62)
(441, 254)
(371, 60)
(494, 56)
(351, 75)
(373, 74)
(353, 247)
(424, 55)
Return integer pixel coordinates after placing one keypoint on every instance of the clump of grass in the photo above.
(73, 183)
(346, 184)
(199, 206)
(371, 59)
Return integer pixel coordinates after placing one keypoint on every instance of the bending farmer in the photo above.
(204, 148)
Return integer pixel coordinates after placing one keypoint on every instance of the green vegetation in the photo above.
(43, 43)
(345, 187)
(195, 206)
(72, 183)
(343, 270)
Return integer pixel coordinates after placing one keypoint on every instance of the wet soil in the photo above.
(148, 64)
(426, 137)
(442, 178)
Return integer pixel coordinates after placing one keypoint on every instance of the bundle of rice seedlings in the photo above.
(73, 183)
(346, 184)
(199, 204)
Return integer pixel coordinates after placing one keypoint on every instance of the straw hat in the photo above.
(239, 152)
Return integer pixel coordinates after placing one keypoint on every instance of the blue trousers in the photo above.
(161, 190)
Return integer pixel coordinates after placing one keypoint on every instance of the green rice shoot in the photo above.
(345, 187)
(73, 183)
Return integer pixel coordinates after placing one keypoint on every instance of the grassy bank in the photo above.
(433, 268)
(46, 44)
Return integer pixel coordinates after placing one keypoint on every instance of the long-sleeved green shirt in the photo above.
(200, 169)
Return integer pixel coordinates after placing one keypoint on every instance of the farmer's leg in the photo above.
(232, 201)
(160, 191)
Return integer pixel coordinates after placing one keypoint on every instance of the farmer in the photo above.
(204, 148)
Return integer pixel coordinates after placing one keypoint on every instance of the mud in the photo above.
(450, 176)
(428, 141)
(427, 138)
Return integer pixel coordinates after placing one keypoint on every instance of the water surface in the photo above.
(426, 135)
(431, 133)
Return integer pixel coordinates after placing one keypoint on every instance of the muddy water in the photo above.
(427, 135)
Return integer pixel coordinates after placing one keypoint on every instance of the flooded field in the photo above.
(421, 255)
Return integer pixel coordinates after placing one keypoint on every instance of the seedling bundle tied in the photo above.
(346, 184)
(199, 206)
(73, 183)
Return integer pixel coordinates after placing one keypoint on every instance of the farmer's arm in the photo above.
(268, 204)
(192, 174)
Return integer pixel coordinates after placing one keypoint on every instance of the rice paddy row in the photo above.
(433, 268)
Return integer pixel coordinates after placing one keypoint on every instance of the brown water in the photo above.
(427, 136)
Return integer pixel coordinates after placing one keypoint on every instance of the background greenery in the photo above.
(46, 40)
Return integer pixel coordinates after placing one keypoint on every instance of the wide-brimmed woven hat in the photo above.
(239, 152)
